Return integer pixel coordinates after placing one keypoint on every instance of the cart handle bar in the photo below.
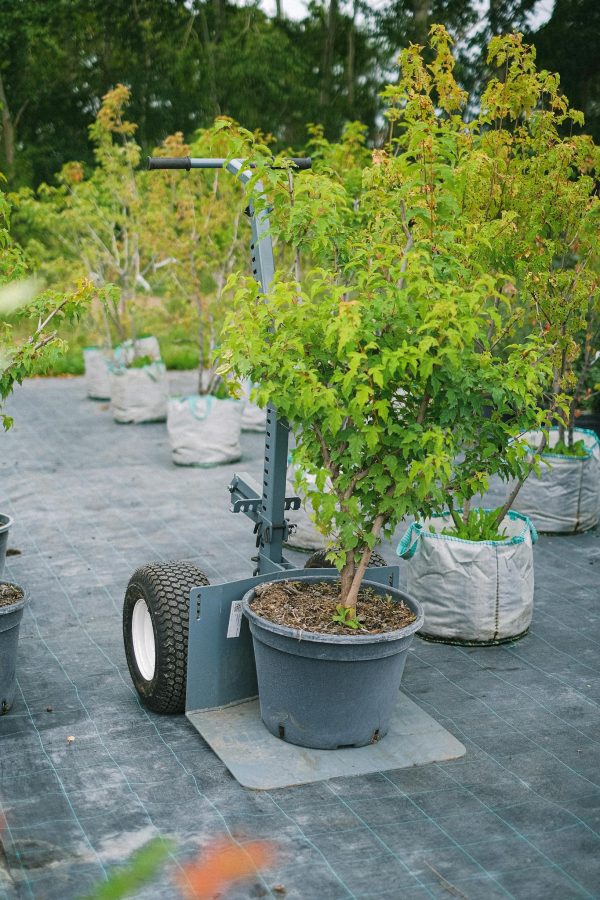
(187, 163)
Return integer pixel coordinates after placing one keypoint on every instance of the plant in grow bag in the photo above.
(198, 221)
(474, 525)
(548, 190)
(584, 407)
(511, 164)
(97, 225)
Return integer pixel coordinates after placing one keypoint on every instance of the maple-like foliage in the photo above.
(439, 315)
(22, 299)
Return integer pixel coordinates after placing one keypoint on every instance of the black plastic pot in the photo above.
(590, 421)
(327, 691)
(5, 523)
(10, 620)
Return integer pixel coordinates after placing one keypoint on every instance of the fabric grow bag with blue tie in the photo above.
(472, 592)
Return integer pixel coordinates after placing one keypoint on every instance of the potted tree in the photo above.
(378, 362)
(22, 306)
(563, 494)
(200, 223)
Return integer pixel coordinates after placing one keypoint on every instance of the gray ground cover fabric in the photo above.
(517, 816)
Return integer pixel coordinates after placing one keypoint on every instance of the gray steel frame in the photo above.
(267, 504)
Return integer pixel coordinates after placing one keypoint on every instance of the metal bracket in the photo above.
(246, 497)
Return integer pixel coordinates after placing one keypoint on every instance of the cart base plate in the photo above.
(263, 762)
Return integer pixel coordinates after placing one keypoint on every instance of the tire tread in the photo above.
(165, 587)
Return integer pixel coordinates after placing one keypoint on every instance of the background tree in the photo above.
(196, 222)
(187, 61)
(39, 313)
(570, 43)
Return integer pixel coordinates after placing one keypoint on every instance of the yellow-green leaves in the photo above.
(445, 295)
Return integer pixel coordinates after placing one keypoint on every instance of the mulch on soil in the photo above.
(9, 593)
(311, 607)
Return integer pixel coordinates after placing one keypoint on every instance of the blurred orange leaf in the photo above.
(222, 863)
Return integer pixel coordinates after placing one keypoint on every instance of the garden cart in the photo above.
(187, 645)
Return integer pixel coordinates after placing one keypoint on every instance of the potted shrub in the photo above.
(380, 362)
(25, 311)
(563, 494)
(201, 226)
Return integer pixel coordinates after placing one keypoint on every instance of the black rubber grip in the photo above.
(169, 162)
(304, 162)
(184, 162)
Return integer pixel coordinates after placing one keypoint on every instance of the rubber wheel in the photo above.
(155, 632)
(319, 560)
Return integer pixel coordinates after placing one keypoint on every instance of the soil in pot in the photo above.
(310, 606)
(9, 593)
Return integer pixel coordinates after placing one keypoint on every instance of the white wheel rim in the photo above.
(142, 634)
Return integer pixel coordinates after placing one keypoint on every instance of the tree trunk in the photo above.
(210, 65)
(421, 13)
(347, 577)
(218, 11)
(351, 63)
(8, 132)
(278, 10)
(349, 598)
(328, 52)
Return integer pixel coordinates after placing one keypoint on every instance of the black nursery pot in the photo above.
(5, 523)
(329, 691)
(590, 421)
(10, 620)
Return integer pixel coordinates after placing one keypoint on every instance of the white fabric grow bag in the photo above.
(566, 495)
(305, 536)
(126, 352)
(97, 373)
(204, 431)
(254, 418)
(471, 591)
(139, 395)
